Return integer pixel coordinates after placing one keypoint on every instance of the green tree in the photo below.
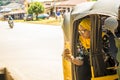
(36, 8)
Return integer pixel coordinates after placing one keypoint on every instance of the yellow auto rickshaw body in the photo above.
(97, 10)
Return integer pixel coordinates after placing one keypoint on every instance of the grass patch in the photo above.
(18, 20)
(50, 21)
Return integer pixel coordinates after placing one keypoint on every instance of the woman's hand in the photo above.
(77, 61)
(67, 55)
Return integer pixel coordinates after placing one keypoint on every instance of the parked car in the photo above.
(43, 16)
(28, 17)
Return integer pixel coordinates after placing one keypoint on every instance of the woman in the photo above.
(83, 63)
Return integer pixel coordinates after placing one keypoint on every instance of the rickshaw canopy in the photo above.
(103, 7)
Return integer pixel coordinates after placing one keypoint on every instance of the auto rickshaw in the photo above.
(97, 11)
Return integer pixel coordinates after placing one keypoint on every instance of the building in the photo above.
(14, 9)
(52, 6)
(66, 6)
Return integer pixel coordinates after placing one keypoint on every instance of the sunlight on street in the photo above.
(32, 51)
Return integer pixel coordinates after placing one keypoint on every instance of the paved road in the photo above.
(32, 51)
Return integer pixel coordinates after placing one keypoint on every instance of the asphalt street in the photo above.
(32, 51)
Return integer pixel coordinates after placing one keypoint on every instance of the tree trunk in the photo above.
(36, 16)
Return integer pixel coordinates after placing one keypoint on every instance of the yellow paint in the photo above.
(67, 65)
(92, 71)
(67, 70)
(109, 77)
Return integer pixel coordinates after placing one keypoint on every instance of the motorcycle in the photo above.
(11, 24)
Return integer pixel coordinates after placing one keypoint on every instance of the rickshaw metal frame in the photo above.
(94, 10)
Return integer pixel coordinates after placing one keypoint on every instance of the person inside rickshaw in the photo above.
(111, 26)
(83, 58)
(83, 49)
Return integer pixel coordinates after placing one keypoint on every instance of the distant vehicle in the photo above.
(28, 17)
(10, 22)
(43, 16)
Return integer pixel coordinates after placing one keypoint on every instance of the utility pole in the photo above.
(26, 5)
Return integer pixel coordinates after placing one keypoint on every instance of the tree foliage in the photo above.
(36, 8)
